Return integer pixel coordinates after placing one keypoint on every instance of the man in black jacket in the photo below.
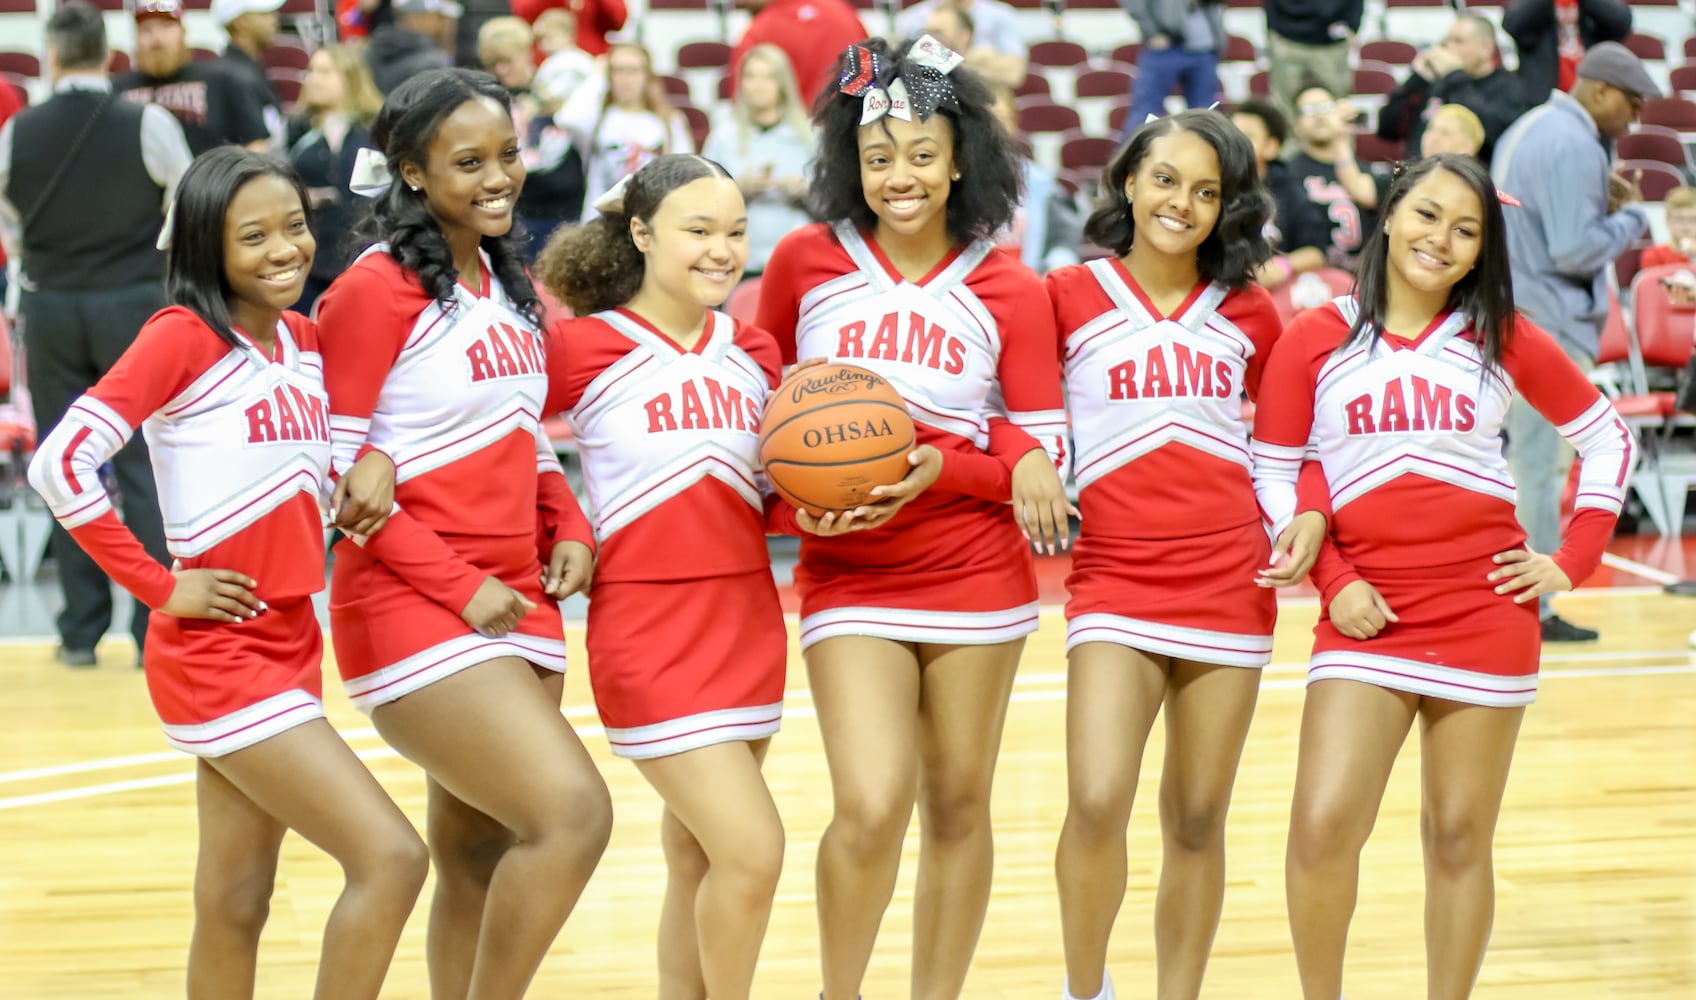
(1308, 41)
(1553, 36)
(1461, 69)
(84, 178)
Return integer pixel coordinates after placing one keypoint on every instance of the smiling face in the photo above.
(907, 170)
(1175, 195)
(473, 174)
(696, 242)
(1435, 233)
(268, 248)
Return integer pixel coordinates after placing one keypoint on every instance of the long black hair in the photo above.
(194, 265)
(1485, 293)
(595, 265)
(980, 204)
(412, 114)
(1237, 245)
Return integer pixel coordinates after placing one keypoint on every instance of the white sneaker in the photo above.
(1105, 994)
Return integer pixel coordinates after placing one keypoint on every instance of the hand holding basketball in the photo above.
(571, 567)
(926, 462)
(495, 609)
(220, 595)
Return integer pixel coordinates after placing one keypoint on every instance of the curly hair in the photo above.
(411, 117)
(1485, 292)
(594, 266)
(1237, 245)
(981, 203)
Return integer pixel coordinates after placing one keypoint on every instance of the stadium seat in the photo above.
(1086, 152)
(1099, 91)
(1657, 178)
(286, 82)
(1035, 84)
(286, 57)
(1388, 51)
(1675, 113)
(702, 65)
(1060, 62)
(1653, 142)
(1681, 80)
(699, 124)
(26, 64)
(1037, 115)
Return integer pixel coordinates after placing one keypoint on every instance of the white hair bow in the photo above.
(167, 231)
(612, 203)
(371, 175)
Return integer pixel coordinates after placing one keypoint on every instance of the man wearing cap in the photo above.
(252, 27)
(212, 106)
(80, 208)
(418, 39)
(1574, 217)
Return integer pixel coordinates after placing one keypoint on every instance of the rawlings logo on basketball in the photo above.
(838, 382)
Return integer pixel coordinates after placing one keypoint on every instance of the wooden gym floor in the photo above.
(1596, 853)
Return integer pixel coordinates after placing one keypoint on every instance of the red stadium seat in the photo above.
(703, 55)
(1368, 148)
(1646, 46)
(1260, 84)
(1127, 54)
(1388, 52)
(286, 82)
(724, 88)
(1112, 83)
(699, 123)
(17, 6)
(1653, 142)
(1086, 152)
(119, 61)
(26, 64)
(1657, 178)
(1058, 53)
(1116, 118)
(1037, 116)
(1374, 78)
(1683, 79)
(1034, 85)
(1672, 112)
(286, 57)
(676, 88)
(1238, 49)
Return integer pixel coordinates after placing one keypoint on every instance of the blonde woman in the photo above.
(621, 119)
(765, 140)
(337, 104)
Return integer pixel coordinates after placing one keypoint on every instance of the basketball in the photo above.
(831, 434)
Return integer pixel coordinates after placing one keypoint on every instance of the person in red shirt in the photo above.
(596, 19)
(1681, 231)
(229, 390)
(812, 33)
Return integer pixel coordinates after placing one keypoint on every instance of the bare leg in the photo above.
(867, 693)
(466, 845)
(1467, 751)
(961, 712)
(1208, 711)
(233, 879)
(492, 736)
(308, 780)
(1350, 734)
(721, 797)
(679, 947)
(1113, 694)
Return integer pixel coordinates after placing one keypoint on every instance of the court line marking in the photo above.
(1636, 568)
(799, 694)
(798, 712)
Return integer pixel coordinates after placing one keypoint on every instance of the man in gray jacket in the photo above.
(1181, 43)
(1574, 217)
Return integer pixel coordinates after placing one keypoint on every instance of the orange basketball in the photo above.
(831, 433)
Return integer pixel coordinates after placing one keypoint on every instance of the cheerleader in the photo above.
(1429, 589)
(228, 389)
(914, 612)
(1159, 346)
(446, 626)
(687, 647)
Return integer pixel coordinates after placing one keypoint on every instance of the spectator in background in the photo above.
(1325, 164)
(554, 185)
(468, 27)
(765, 140)
(594, 20)
(566, 65)
(1299, 230)
(416, 40)
(949, 24)
(812, 33)
(1181, 42)
(252, 27)
(1681, 230)
(11, 102)
(211, 105)
(1464, 68)
(357, 20)
(1553, 35)
(1310, 40)
(1453, 128)
(621, 119)
(338, 102)
(1576, 216)
(80, 212)
(1048, 226)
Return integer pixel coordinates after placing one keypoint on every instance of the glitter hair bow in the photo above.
(922, 85)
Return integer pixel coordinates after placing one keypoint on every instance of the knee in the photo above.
(398, 861)
(950, 816)
(1194, 827)
(870, 827)
(466, 852)
(1098, 811)
(756, 862)
(1324, 831)
(236, 901)
(576, 821)
(1454, 844)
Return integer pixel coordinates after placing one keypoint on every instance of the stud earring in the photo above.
(413, 186)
